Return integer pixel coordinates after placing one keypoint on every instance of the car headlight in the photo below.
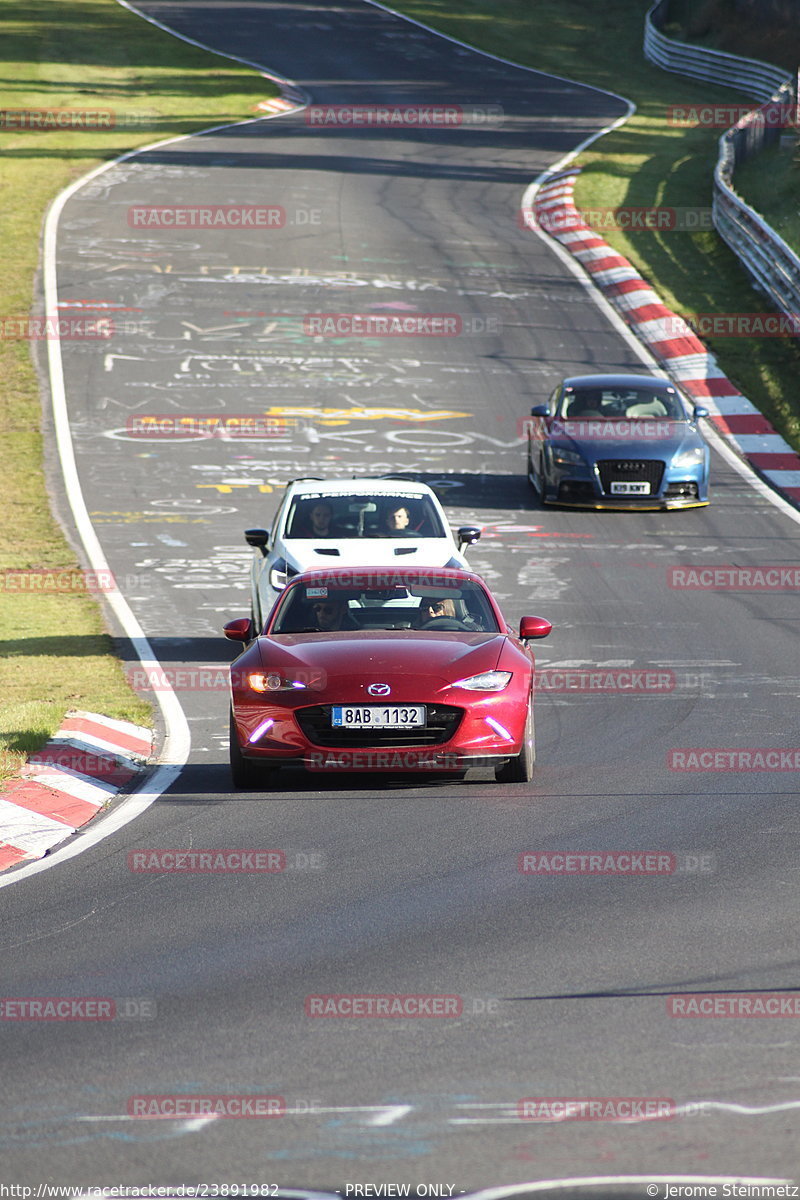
(487, 681)
(271, 681)
(567, 458)
(689, 458)
(278, 577)
(280, 573)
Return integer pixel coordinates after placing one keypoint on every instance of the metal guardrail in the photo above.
(774, 266)
(758, 79)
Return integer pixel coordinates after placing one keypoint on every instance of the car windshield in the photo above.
(458, 606)
(621, 403)
(361, 515)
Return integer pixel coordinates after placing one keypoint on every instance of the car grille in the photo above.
(627, 470)
(442, 723)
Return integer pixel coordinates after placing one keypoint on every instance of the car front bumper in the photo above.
(590, 487)
(489, 730)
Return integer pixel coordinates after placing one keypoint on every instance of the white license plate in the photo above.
(630, 489)
(378, 716)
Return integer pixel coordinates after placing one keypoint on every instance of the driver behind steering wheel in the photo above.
(430, 608)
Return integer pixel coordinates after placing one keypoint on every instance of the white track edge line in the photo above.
(177, 741)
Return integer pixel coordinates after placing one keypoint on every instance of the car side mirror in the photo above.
(468, 535)
(240, 630)
(534, 627)
(540, 410)
(699, 411)
(258, 539)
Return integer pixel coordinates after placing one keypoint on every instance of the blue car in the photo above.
(618, 441)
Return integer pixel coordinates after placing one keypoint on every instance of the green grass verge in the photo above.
(770, 184)
(72, 54)
(646, 162)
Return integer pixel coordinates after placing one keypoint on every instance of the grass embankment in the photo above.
(80, 55)
(648, 161)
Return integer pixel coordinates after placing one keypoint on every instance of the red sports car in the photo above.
(383, 669)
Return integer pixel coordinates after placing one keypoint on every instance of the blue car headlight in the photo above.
(567, 458)
(690, 458)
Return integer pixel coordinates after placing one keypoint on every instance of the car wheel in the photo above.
(247, 776)
(520, 769)
(532, 477)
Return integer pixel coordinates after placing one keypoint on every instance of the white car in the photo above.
(351, 522)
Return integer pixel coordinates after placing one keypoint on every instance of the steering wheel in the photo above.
(444, 623)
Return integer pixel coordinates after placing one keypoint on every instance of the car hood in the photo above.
(310, 554)
(619, 439)
(382, 656)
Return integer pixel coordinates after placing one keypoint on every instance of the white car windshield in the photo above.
(360, 515)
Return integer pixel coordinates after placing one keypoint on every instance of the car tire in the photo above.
(520, 769)
(247, 776)
(533, 480)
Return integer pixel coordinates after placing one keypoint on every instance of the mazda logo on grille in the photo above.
(379, 689)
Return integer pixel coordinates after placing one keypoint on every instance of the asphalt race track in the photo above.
(400, 887)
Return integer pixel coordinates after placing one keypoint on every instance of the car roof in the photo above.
(619, 380)
(376, 486)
